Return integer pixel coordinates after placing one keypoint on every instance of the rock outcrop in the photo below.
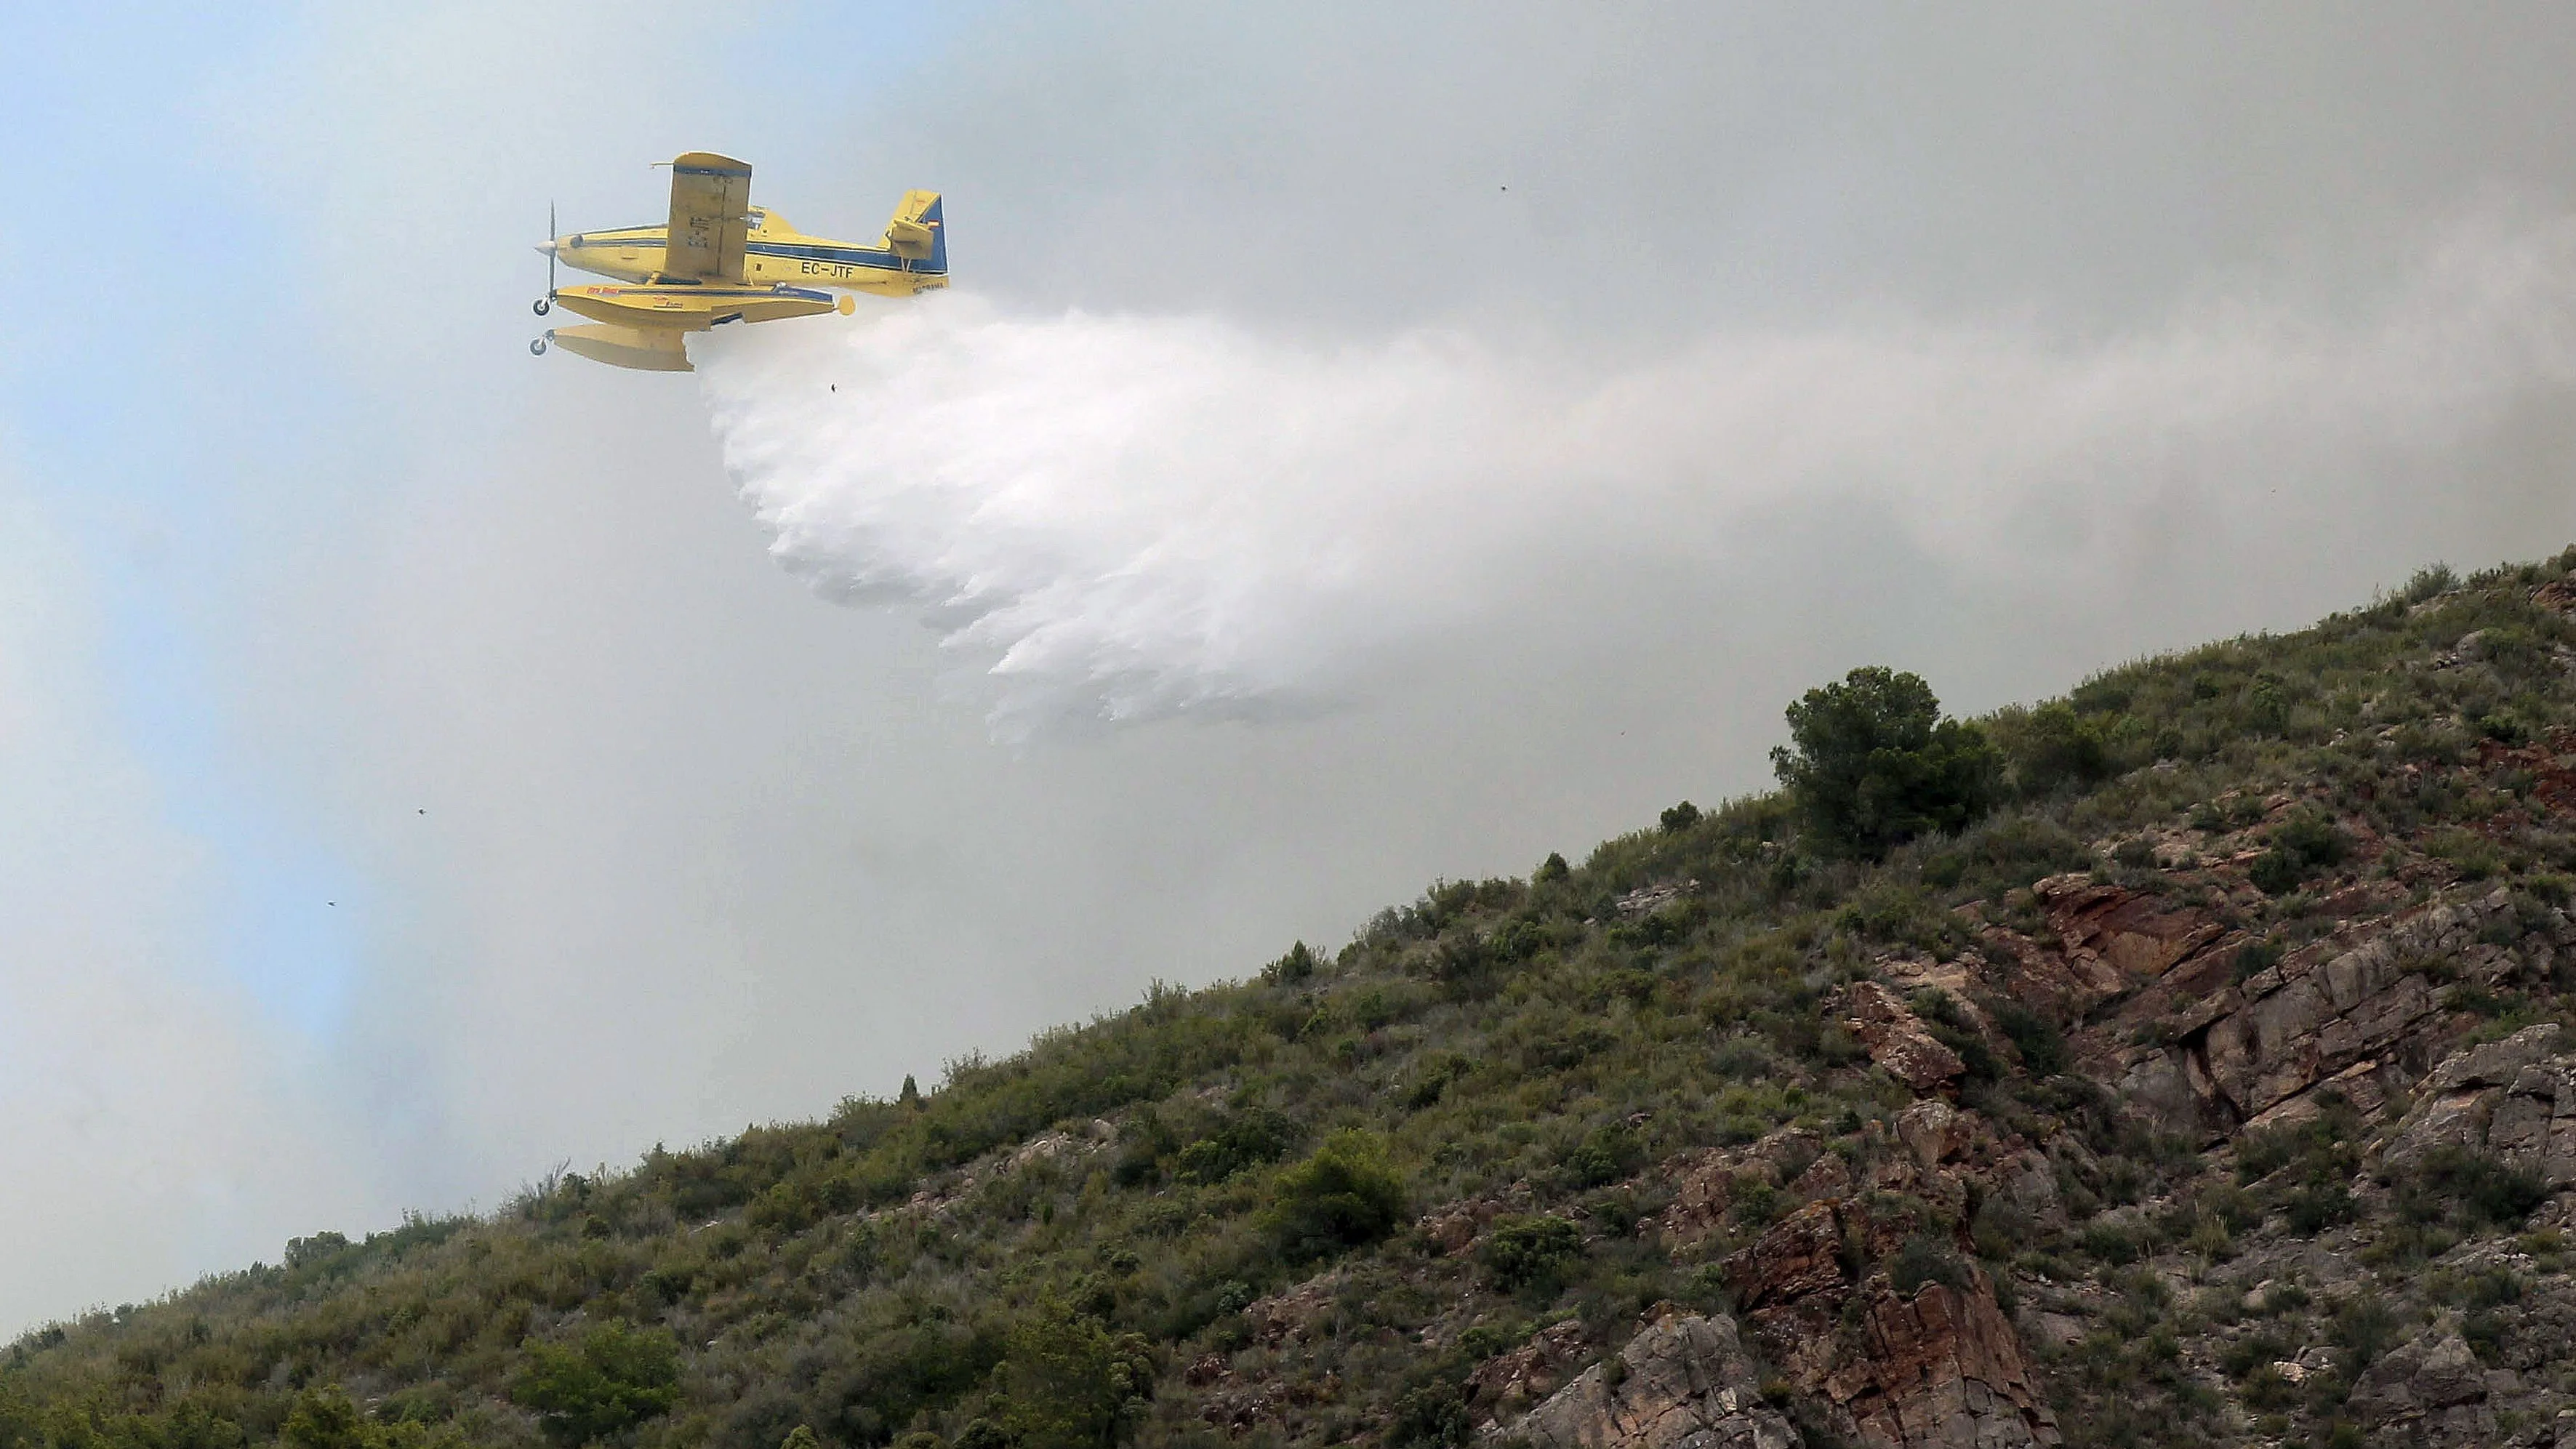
(1683, 1383)
(1707, 1184)
(1897, 1039)
(1937, 1367)
(2200, 1053)
(2113, 937)
(1508, 1383)
(2435, 1382)
(2514, 1100)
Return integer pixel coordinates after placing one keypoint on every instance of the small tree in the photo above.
(323, 1418)
(1344, 1196)
(616, 1377)
(1296, 966)
(1876, 765)
(2053, 746)
(1071, 1383)
(1530, 1253)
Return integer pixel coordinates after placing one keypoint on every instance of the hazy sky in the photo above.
(415, 771)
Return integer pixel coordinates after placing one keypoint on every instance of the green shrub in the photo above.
(1530, 1254)
(2041, 1047)
(2430, 582)
(2106, 1243)
(1926, 1259)
(1433, 1416)
(2454, 1183)
(1344, 1196)
(2317, 1206)
(2256, 957)
(1875, 764)
(323, 1418)
(2266, 1389)
(1068, 1382)
(2006, 854)
(1298, 965)
(2311, 840)
(2053, 746)
(2364, 1325)
(2256, 1350)
(1243, 1140)
(1678, 818)
(2274, 873)
(1605, 1155)
(615, 1377)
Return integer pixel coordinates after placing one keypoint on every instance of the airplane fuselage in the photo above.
(774, 252)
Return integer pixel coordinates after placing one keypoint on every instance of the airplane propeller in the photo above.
(546, 303)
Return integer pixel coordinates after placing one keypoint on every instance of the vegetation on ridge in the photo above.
(1219, 1216)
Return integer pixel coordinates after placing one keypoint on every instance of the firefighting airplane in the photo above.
(719, 260)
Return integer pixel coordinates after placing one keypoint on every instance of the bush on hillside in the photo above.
(1069, 1383)
(321, 1418)
(1298, 965)
(2052, 747)
(616, 1377)
(2454, 1184)
(1344, 1196)
(1875, 765)
(2300, 847)
(1244, 1140)
(1530, 1254)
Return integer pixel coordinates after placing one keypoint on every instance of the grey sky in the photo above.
(701, 849)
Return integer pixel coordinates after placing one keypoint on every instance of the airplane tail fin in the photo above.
(917, 235)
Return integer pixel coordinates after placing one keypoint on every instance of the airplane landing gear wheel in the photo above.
(544, 305)
(537, 346)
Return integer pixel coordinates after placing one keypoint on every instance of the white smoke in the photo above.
(1129, 517)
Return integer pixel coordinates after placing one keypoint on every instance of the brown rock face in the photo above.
(1685, 1383)
(1801, 1257)
(1509, 1383)
(2137, 937)
(1706, 1184)
(1896, 1039)
(2352, 1013)
(1941, 1368)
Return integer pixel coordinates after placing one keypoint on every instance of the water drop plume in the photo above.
(1120, 517)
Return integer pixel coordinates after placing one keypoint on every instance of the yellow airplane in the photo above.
(720, 259)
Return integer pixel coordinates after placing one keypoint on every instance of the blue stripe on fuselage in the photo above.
(877, 258)
(847, 256)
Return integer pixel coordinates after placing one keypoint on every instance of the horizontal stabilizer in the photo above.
(914, 232)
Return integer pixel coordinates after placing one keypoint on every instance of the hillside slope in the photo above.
(2210, 1089)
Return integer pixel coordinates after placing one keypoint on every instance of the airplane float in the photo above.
(720, 259)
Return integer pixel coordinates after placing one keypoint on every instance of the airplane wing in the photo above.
(710, 207)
